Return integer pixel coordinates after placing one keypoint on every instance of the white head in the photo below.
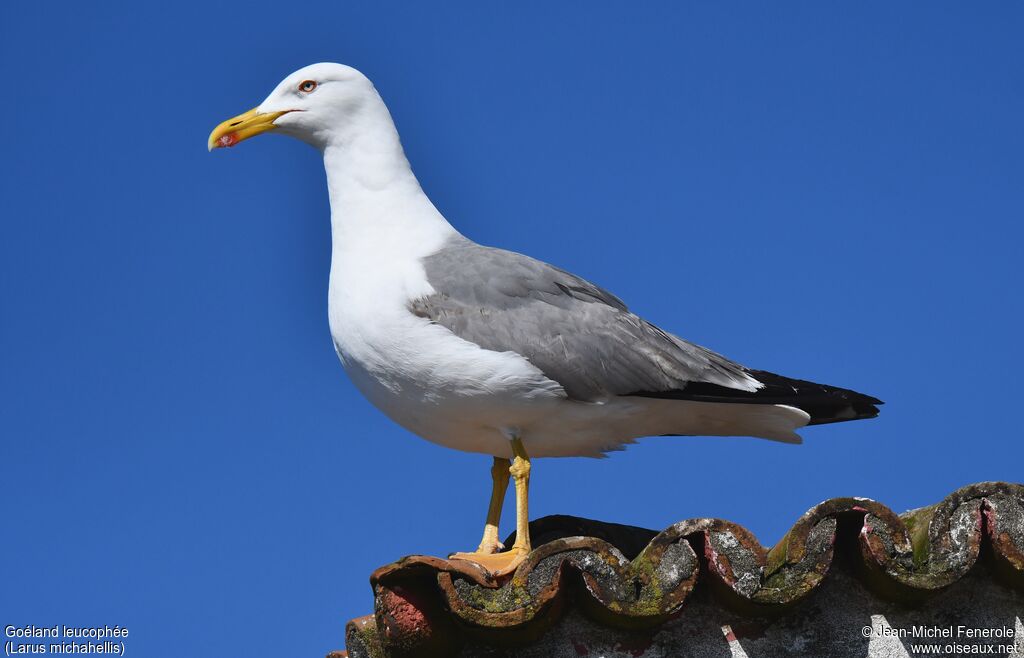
(320, 104)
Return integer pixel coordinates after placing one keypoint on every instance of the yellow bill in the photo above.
(242, 127)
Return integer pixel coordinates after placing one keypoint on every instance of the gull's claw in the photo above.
(498, 564)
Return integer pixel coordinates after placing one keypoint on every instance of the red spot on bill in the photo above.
(229, 139)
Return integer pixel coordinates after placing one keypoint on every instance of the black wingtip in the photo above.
(854, 410)
(823, 403)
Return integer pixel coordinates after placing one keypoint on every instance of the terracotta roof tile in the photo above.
(631, 578)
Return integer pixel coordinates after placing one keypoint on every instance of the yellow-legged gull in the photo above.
(490, 351)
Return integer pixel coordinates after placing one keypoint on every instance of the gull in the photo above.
(489, 351)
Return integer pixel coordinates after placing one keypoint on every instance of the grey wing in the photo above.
(576, 333)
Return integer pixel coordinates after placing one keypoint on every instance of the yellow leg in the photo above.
(499, 485)
(520, 470)
(487, 555)
(490, 543)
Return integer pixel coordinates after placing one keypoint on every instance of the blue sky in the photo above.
(827, 190)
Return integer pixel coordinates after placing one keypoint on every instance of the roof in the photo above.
(636, 581)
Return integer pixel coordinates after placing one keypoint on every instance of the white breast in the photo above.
(424, 377)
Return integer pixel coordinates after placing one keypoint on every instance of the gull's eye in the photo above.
(306, 86)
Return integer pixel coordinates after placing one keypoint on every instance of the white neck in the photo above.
(376, 201)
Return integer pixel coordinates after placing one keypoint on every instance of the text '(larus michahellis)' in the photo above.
(489, 351)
